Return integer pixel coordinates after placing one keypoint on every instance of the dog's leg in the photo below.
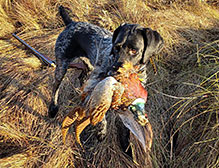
(60, 71)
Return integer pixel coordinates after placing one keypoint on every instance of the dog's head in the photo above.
(135, 44)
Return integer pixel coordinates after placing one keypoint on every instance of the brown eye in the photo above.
(132, 52)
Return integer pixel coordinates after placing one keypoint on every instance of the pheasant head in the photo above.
(137, 108)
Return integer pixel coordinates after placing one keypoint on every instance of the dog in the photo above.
(97, 47)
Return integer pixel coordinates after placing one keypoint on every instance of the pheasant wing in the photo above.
(101, 98)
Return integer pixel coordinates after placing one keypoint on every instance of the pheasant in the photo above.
(122, 92)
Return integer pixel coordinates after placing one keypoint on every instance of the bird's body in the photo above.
(128, 76)
(116, 92)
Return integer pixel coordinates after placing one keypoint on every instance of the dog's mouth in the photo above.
(113, 70)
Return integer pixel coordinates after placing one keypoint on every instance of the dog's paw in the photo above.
(53, 110)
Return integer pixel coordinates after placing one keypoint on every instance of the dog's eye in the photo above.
(132, 51)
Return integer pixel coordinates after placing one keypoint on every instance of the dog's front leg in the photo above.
(60, 71)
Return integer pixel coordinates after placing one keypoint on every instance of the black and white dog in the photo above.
(99, 47)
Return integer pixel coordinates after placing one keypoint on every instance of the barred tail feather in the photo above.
(80, 126)
(68, 121)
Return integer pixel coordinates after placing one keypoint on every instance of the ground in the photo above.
(183, 91)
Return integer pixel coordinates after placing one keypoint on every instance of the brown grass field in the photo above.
(183, 101)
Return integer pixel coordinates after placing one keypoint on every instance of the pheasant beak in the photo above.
(138, 110)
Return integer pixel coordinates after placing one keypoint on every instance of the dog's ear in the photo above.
(116, 32)
(153, 43)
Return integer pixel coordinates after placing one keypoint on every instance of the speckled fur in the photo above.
(98, 39)
(79, 39)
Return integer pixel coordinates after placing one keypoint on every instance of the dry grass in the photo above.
(183, 95)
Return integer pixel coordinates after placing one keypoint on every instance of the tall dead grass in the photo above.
(183, 95)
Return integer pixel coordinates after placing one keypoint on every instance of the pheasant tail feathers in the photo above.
(68, 121)
(80, 125)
